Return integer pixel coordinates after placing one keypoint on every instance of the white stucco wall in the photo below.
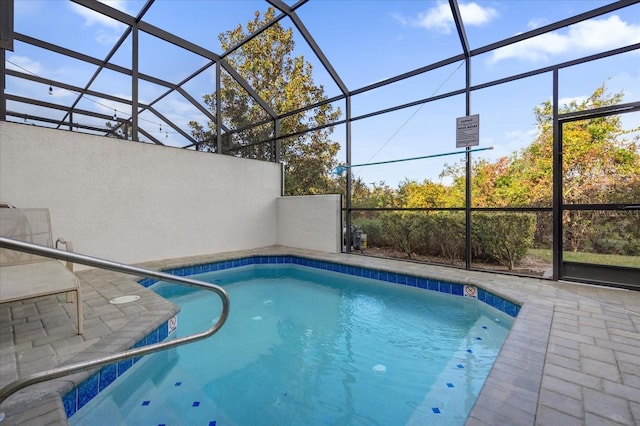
(133, 202)
(310, 222)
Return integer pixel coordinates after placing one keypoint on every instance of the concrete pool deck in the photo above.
(572, 356)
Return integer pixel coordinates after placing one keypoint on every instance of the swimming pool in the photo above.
(359, 351)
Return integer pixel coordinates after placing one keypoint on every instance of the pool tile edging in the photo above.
(502, 304)
(82, 394)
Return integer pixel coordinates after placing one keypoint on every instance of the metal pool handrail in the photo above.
(54, 373)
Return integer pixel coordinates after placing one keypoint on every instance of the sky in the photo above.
(366, 41)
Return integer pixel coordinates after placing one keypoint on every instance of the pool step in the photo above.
(450, 399)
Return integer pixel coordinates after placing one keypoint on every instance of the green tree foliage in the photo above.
(492, 185)
(425, 194)
(361, 194)
(601, 163)
(374, 195)
(285, 83)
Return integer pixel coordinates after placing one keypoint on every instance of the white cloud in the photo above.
(121, 5)
(92, 17)
(398, 17)
(520, 135)
(567, 101)
(439, 18)
(108, 30)
(511, 141)
(535, 49)
(604, 33)
(476, 15)
(59, 93)
(537, 23)
(178, 110)
(587, 36)
(27, 88)
(23, 63)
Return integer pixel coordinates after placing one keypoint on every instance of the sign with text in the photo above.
(468, 131)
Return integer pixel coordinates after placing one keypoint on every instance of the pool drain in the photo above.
(124, 299)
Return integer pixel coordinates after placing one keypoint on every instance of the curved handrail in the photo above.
(54, 373)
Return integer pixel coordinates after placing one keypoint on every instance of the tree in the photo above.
(360, 192)
(490, 183)
(601, 164)
(425, 194)
(285, 83)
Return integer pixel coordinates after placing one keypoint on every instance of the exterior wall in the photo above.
(310, 222)
(133, 202)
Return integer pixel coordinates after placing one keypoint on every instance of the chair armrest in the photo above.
(68, 247)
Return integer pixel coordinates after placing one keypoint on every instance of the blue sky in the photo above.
(366, 41)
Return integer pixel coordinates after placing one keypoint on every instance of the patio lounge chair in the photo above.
(26, 276)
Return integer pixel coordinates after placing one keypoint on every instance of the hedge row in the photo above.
(499, 237)
(602, 232)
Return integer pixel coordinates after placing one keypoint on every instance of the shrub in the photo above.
(431, 234)
(504, 237)
(500, 237)
(401, 231)
(447, 234)
(616, 233)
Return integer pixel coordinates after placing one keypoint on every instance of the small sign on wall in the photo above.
(468, 131)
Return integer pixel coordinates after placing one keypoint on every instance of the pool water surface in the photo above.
(313, 347)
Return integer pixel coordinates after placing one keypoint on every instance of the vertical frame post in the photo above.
(134, 83)
(218, 110)
(557, 184)
(6, 43)
(3, 85)
(6, 25)
(468, 170)
(276, 142)
(464, 42)
(348, 176)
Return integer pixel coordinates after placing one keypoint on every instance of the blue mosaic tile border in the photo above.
(90, 388)
(456, 289)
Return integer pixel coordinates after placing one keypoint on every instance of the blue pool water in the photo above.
(312, 347)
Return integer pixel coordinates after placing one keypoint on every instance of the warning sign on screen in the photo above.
(468, 131)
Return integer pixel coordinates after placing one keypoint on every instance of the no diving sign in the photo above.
(468, 131)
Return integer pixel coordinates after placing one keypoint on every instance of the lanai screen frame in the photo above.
(132, 125)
